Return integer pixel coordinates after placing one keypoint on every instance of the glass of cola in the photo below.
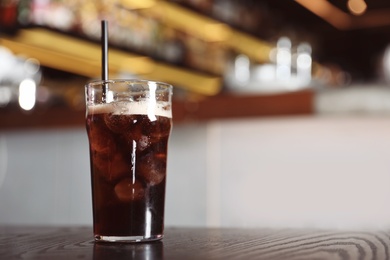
(128, 124)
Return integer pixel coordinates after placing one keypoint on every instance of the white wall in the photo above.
(269, 172)
(306, 172)
(44, 177)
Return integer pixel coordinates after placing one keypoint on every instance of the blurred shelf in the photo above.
(224, 106)
(80, 57)
(204, 27)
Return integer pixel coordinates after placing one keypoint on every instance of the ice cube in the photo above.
(133, 140)
(112, 166)
(157, 129)
(129, 190)
(152, 168)
(118, 123)
(100, 140)
(143, 143)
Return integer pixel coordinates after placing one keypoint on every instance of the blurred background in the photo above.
(281, 107)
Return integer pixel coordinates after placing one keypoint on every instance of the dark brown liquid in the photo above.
(128, 170)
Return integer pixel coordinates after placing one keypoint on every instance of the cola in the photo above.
(128, 156)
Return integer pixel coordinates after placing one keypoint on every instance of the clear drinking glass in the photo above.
(128, 124)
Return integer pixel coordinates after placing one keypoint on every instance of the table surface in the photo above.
(58, 243)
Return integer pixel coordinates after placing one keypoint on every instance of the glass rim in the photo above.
(99, 82)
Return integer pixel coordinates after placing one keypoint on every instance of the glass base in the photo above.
(127, 239)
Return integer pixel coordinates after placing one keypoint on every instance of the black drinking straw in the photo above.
(104, 42)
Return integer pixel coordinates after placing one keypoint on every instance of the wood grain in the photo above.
(196, 243)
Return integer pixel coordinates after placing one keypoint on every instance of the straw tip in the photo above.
(104, 50)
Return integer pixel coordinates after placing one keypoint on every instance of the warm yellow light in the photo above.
(138, 4)
(63, 53)
(357, 7)
(216, 32)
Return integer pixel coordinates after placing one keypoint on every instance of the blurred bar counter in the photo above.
(222, 106)
(364, 100)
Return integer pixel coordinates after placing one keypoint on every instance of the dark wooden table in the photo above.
(196, 243)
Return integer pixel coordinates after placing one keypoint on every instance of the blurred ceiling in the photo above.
(355, 42)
